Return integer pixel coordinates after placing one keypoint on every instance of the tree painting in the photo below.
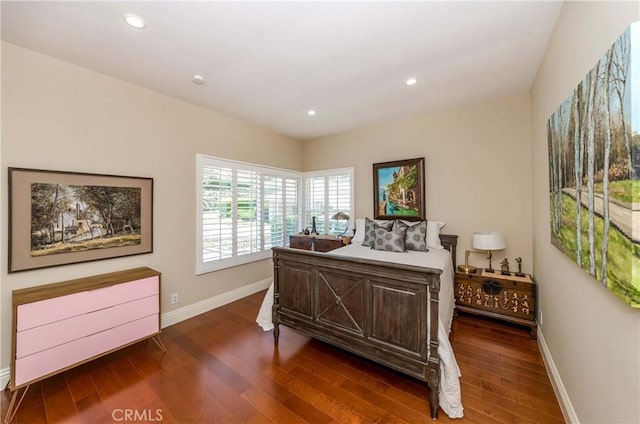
(594, 166)
(71, 218)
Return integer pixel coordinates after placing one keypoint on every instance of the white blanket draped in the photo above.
(450, 400)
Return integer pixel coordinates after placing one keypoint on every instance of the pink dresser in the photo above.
(61, 325)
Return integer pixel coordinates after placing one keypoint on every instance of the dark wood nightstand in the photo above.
(506, 297)
(319, 243)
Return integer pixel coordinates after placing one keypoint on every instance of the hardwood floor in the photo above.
(220, 367)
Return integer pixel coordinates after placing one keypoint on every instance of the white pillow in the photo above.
(359, 235)
(433, 234)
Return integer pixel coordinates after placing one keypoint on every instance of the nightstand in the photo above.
(319, 243)
(506, 297)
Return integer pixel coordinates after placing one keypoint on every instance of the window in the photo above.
(326, 193)
(243, 211)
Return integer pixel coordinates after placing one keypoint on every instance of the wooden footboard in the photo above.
(382, 311)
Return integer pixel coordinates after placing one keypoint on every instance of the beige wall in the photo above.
(593, 336)
(63, 117)
(477, 164)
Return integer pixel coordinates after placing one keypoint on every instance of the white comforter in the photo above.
(450, 400)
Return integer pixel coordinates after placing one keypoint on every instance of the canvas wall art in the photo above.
(594, 170)
(398, 189)
(58, 218)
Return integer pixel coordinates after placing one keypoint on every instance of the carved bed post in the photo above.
(276, 298)
(433, 362)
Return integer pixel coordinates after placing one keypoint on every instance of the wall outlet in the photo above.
(174, 298)
(540, 317)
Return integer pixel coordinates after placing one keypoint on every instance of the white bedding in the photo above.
(450, 400)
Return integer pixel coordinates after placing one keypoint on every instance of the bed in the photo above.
(392, 308)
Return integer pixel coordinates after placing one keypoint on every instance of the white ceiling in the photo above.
(270, 62)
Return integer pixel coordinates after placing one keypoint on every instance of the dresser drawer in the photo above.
(63, 356)
(45, 311)
(59, 332)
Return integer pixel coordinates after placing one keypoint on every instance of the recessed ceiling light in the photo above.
(311, 112)
(134, 21)
(411, 81)
(198, 79)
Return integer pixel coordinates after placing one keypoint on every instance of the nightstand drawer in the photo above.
(301, 242)
(318, 243)
(326, 244)
(501, 296)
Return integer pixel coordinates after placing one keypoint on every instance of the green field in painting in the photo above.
(623, 190)
(623, 257)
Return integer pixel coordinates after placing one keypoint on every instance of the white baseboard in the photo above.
(189, 311)
(566, 406)
(4, 377)
(206, 305)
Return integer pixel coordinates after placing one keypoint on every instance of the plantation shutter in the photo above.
(217, 203)
(315, 202)
(274, 202)
(328, 192)
(338, 200)
(244, 211)
(248, 212)
(293, 218)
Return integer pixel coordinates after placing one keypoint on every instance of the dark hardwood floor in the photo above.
(220, 367)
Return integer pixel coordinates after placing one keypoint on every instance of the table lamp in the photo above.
(488, 241)
(342, 216)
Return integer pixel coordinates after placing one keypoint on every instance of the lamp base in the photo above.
(467, 269)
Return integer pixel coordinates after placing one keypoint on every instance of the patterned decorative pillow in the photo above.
(369, 230)
(390, 240)
(416, 238)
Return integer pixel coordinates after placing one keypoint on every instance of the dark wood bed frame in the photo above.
(383, 311)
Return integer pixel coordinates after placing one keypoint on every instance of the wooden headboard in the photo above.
(450, 242)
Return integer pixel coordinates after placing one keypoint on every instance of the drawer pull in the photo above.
(491, 287)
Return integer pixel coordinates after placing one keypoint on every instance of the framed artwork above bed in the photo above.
(398, 189)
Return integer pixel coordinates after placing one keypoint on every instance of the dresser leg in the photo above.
(13, 406)
(158, 341)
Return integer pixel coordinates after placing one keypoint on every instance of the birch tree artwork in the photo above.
(594, 166)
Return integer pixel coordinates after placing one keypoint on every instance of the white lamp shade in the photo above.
(488, 240)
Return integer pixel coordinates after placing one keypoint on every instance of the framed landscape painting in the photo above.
(398, 189)
(594, 170)
(58, 218)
